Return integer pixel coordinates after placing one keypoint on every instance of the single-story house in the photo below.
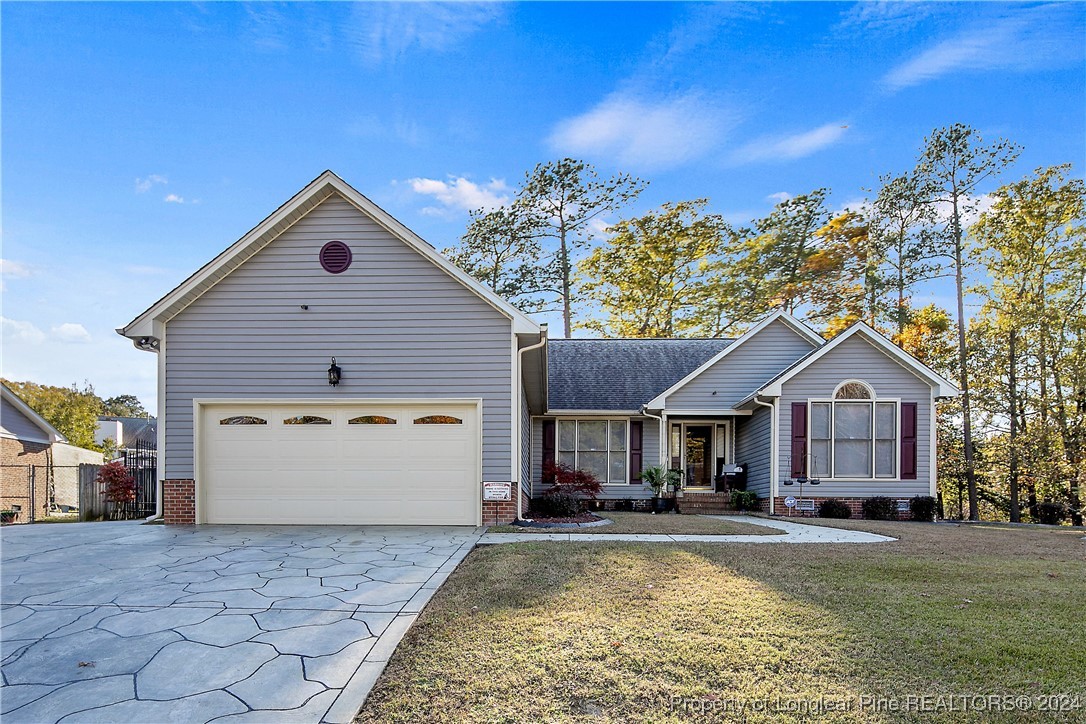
(332, 367)
(38, 467)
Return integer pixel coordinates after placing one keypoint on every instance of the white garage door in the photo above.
(344, 464)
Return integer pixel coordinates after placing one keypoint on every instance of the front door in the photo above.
(698, 464)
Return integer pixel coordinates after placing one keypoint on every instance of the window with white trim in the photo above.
(595, 446)
(854, 435)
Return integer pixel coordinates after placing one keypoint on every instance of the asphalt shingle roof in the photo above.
(620, 374)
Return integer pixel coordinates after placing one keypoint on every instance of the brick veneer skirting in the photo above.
(495, 513)
(179, 501)
(15, 480)
(854, 504)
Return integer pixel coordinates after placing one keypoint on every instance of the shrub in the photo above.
(834, 508)
(745, 499)
(564, 479)
(922, 507)
(556, 505)
(119, 486)
(1051, 513)
(880, 508)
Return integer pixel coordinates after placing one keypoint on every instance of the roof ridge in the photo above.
(642, 339)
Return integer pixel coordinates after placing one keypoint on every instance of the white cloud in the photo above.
(894, 16)
(792, 146)
(14, 269)
(1027, 39)
(24, 332)
(384, 31)
(779, 197)
(461, 194)
(646, 134)
(173, 199)
(969, 210)
(71, 332)
(144, 185)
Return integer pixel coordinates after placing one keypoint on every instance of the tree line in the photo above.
(74, 410)
(1013, 441)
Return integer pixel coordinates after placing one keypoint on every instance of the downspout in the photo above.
(520, 417)
(660, 451)
(774, 462)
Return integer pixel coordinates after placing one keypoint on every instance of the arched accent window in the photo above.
(307, 420)
(854, 390)
(853, 435)
(243, 420)
(371, 420)
(438, 420)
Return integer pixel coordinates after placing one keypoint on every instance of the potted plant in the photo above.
(659, 479)
(7, 516)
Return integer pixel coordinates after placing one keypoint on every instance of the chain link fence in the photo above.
(29, 493)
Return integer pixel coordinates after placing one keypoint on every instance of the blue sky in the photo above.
(140, 139)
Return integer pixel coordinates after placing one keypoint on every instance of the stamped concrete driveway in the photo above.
(121, 622)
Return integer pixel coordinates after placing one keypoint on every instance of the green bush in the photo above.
(923, 507)
(1051, 513)
(880, 508)
(556, 505)
(745, 500)
(834, 508)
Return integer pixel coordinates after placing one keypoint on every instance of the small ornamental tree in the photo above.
(117, 484)
(566, 480)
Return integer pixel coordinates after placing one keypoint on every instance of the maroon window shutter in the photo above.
(908, 441)
(636, 434)
(799, 439)
(548, 447)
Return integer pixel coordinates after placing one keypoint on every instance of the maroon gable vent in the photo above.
(335, 257)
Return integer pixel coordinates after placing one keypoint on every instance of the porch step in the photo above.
(705, 504)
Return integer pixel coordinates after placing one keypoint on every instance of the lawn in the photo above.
(663, 524)
(612, 632)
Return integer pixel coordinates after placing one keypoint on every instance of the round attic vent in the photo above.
(335, 257)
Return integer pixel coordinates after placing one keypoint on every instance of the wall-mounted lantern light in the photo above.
(334, 373)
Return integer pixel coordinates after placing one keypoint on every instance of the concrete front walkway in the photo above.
(793, 532)
(121, 622)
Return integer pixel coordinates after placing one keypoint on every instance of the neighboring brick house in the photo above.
(26, 445)
(332, 367)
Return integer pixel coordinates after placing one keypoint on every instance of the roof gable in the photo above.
(942, 386)
(779, 317)
(320, 189)
(48, 433)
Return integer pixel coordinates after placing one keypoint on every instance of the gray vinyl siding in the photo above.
(753, 437)
(858, 359)
(535, 468)
(398, 326)
(14, 423)
(525, 443)
(650, 455)
(742, 370)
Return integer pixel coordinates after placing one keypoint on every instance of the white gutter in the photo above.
(774, 462)
(520, 417)
(660, 452)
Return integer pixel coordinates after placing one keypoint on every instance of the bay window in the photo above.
(594, 446)
(854, 435)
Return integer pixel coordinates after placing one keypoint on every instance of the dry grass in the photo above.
(613, 632)
(646, 523)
